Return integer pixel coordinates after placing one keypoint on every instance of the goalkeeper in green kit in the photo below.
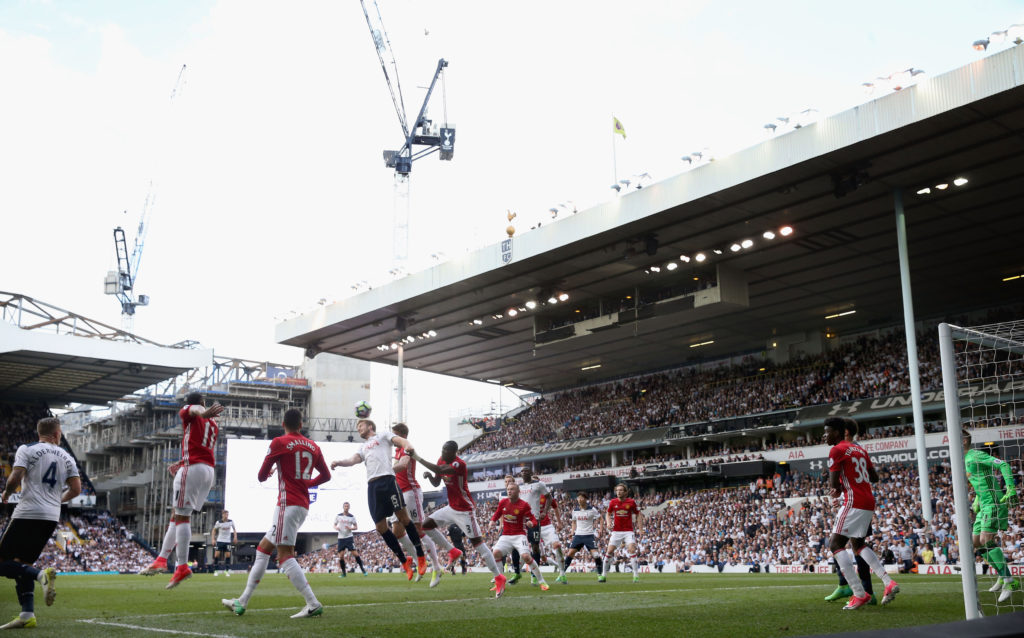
(991, 507)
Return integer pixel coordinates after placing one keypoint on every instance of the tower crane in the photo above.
(121, 282)
(423, 133)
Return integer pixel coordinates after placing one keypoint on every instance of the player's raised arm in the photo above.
(206, 413)
(441, 471)
(355, 459)
(404, 444)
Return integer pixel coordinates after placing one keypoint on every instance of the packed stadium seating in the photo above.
(866, 368)
(746, 525)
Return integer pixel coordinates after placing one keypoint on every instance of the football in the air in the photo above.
(363, 410)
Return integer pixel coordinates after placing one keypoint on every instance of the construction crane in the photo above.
(420, 140)
(423, 133)
(121, 282)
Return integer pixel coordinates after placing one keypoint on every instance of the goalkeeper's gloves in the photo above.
(975, 506)
(1010, 497)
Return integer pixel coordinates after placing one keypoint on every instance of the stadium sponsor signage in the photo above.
(894, 450)
(591, 444)
(931, 401)
(821, 568)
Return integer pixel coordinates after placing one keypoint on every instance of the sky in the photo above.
(265, 171)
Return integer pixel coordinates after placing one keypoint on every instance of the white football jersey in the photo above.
(346, 523)
(224, 530)
(586, 520)
(531, 493)
(376, 453)
(47, 469)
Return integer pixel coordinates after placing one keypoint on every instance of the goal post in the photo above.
(983, 385)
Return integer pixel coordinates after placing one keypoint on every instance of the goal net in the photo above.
(983, 386)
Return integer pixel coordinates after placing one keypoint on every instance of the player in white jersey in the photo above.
(586, 524)
(383, 495)
(42, 470)
(531, 491)
(345, 523)
(225, 534)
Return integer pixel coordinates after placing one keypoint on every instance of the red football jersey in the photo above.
(199, 435)
(296, 457)
(622, 514)
(853, 463)
(457, 484)
(547, 514)
(407, 479)
(513, 516)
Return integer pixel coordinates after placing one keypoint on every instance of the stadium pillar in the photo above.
(912, 360)
(401, 389)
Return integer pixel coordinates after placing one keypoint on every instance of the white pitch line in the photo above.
(94, 621)
(465, 600)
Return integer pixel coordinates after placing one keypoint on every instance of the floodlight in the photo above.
(747, 243)
(531, 304)
(700, 257)
(768, 234)
(563, 296)
(960, 181)
(512, 312)
(671, 265)
(684, 258)
(786, 231)
(924, 191)
(943, 186)
(735, 248)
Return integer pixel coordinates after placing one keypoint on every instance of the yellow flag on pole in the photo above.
(618, 128)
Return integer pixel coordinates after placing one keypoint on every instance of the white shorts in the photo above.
(466, 521)
(852, 523)
(506, 544)
(284, 528)
(548, 535)
(192, 484)
(413, 504)
(622, 538)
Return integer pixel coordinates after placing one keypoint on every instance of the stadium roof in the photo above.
(48, 354)
(833, 182)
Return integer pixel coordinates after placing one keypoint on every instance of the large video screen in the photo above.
(251, 503)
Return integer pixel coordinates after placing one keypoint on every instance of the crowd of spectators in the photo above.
(869, 367)
(106, 545)
(785, 519)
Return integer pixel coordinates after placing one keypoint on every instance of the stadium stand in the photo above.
(866, 368)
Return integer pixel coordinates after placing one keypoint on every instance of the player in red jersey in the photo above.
(851, 474)
(193, 478)
(460, 510)
(405, 476)
(295, 458)
(515, 516)
(621, 512)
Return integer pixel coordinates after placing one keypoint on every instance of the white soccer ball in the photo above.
(363, 409)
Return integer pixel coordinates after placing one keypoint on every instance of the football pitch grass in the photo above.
(386, 605)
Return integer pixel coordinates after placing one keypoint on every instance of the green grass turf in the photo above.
(706, 606)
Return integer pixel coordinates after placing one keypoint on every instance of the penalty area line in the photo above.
(250, 611)
(96, 621)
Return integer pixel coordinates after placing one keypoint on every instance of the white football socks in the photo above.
(183, 535)
(871, 558)
(485, 552)
(170, 536)
(849, 569)
(439, 539)
(259, 568)
(294, 572)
